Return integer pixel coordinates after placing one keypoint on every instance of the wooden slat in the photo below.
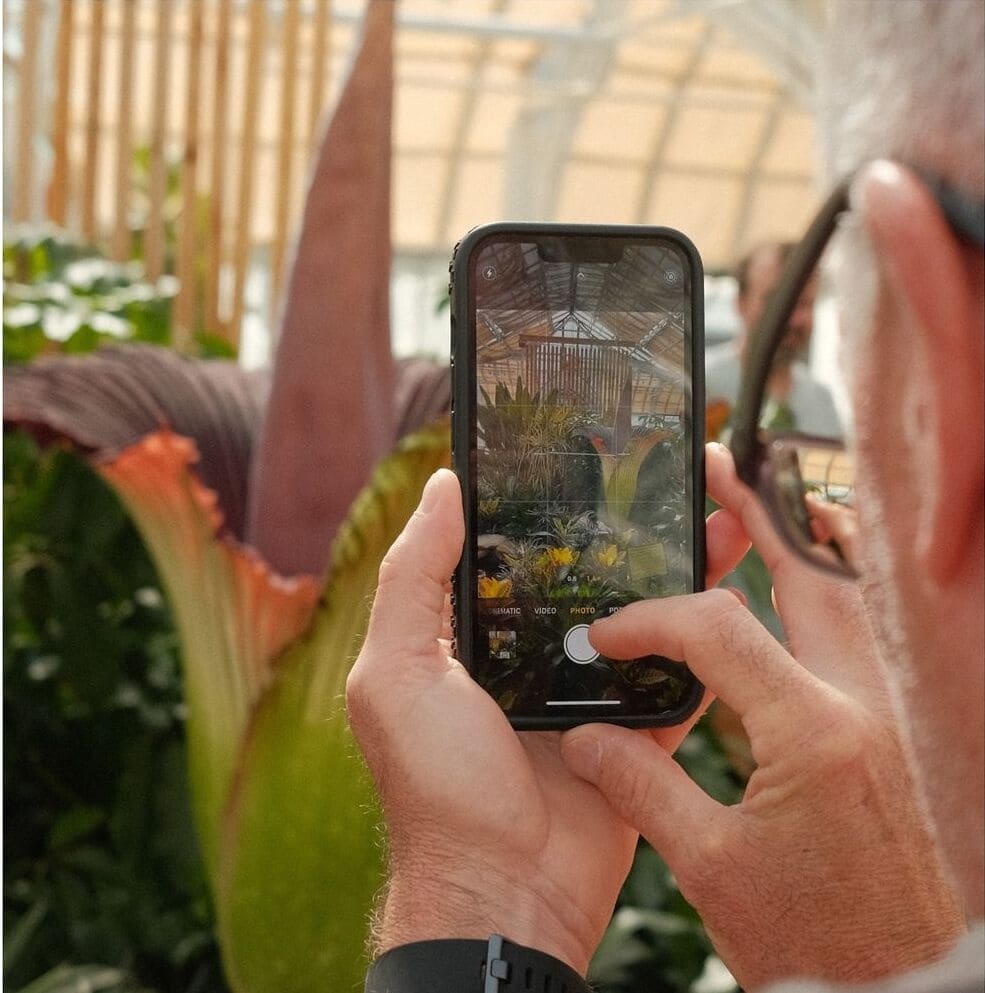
(319, 68)
(217, 184)
(154, 243)
(58, 188)
(248, 151)
(94, 99)
(27, 105)
(285, 156)
(184, 309)
(121, 247)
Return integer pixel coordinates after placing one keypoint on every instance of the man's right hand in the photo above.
(826, 867)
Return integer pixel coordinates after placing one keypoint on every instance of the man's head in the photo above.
(905, 81)
(757, 274)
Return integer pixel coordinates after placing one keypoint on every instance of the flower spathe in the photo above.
(280, 796)
(230, 608)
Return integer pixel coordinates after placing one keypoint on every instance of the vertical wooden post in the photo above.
(58, 188)
(27, 98)
(95, 86)
(248, 152)
(319, 66)
(184, 310)
(121, 247)
(154, 237)
(285, 158)
(217, 185)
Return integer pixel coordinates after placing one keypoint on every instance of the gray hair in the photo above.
(905, 79)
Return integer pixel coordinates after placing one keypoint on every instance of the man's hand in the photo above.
(825, 868)
(488, 829)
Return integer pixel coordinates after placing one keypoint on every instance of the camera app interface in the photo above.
(583, 465)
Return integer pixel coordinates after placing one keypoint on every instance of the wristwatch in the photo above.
(452, 965)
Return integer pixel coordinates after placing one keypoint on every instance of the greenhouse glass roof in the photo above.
(688, 113)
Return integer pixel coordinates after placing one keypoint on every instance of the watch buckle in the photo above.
(497, 968)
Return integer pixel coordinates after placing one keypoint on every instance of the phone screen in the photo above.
(584, 456)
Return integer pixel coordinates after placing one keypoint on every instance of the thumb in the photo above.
(645, 786)
(414, 574)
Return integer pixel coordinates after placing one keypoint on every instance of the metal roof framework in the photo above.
(688, 113)
(596, 329)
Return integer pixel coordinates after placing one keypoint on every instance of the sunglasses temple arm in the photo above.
(745, 444)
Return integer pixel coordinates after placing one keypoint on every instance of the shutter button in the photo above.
(577, 646)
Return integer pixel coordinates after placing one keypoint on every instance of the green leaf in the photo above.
(78, 979)
(75, 824)
(20, 936)
(210, 346)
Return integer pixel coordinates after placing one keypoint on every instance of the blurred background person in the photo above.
(798, 400)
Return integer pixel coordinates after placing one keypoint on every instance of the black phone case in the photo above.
(463, 370)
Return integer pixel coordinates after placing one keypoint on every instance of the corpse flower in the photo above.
(261, 507)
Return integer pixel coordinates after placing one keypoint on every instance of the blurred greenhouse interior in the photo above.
(690, 113)
(158, 158)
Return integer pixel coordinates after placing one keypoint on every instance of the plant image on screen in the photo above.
(582, 449)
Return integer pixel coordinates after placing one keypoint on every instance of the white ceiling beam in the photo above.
(502, 27)
(470, 98)
(783, 34)
(486, 27)
(755, 175)
(655, 160)
(539, 144)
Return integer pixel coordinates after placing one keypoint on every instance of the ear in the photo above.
(935, 281)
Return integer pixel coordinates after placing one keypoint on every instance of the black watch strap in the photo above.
(453, 965)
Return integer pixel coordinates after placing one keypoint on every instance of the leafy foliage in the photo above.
(60, 296)
(655, 940)
(101, 861)
(101, 866)
(531, 449)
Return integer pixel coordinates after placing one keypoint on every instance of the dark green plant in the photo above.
(101, 862)
(655, 940)
(527, 437)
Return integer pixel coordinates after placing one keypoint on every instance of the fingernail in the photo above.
(582, 754)
(429, 496)
(739, 595)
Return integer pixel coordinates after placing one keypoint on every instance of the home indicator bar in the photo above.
(584, 703)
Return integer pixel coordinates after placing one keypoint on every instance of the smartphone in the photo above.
(577, 426)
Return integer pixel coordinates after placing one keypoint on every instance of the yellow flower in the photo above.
(552, 559)
(609, 556)
(488, 507)
(490, 587)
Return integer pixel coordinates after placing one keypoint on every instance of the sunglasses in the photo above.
(807, 483)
